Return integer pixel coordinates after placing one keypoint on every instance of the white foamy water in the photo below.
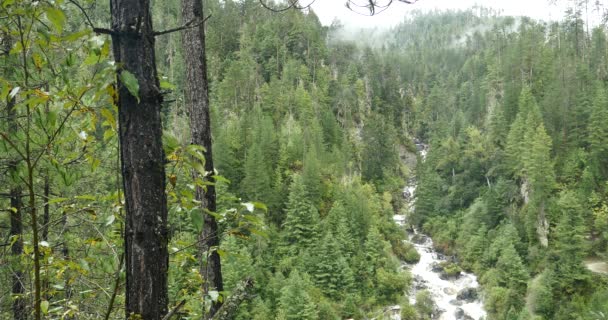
(443, 292)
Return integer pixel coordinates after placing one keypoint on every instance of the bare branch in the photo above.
(89, 22)
(291, 4)
(176, 309)
(188, 25)
(10, 142)
(372, 6)
(105, 31)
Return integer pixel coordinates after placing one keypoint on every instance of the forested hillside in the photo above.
(313, 142)
(514, 184)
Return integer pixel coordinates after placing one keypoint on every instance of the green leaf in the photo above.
(130, 81)
(44, 306)
(58, 286)
(58, 200)
(219, 178)
(164, 84)
(196, 215)
(198, 167)
(57, 18)
(170, 142)
(51, 117)
(107, 113)
(260, 233)
(92, 59)
(261, 206)
(108, 134)
(76, 35)
(86, 197)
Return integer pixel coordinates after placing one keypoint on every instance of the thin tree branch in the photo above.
(10, 142)
(89, 22)
(372, 6)
(176, 309)
(116, 286)
(188, 25)
(105, 31)
(292, 4)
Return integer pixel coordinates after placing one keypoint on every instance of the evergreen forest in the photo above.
(228, 159)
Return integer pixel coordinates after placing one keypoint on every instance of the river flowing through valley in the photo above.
(455, 297)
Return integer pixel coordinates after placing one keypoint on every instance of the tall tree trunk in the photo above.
(197, 99)
(16, 231)
(142, 162)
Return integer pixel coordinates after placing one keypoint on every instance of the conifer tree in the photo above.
(302, 218)
(295, 303)
(374, 248)
(336, 223)
(514, 148)
(257, 183)
(569, 246)
(311, 176)
(539, 168)
(598, 134)
(512, 268)
(330, 269)
(497, 128)
(522, 132)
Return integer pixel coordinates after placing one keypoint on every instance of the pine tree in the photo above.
(311, 177)
(497, 128)
(541, 177)
(598, 135)
(514, 148)
(569, 246)
(374, 249)
(302, 218)
(336, 223)
(330, 269)
(512, 269)
(379, 154)
(522, 133)
(257, 183)
(228, 149)
(427, 197)
(260, 159)
(295, 303)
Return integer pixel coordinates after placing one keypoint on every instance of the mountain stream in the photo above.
(455, 298)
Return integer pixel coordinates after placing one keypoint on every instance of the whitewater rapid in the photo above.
(426, 275)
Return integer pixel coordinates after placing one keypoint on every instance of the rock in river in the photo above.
(467, 294)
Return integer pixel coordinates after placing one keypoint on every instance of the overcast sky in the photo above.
(327, 10)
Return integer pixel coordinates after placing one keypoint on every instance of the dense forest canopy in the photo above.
(313, 137)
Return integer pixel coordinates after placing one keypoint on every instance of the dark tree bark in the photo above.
(18, 284)
(197, 99)
(142, 162)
